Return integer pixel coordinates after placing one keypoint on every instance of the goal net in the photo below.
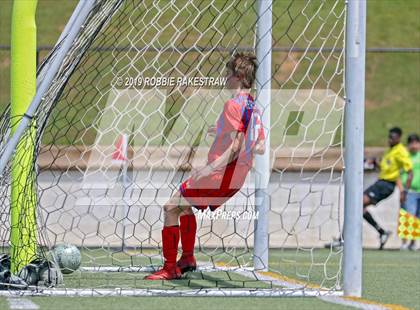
(126, 117)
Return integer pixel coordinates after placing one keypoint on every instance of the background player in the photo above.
(396, 158)
(411, 196)
(238, 135)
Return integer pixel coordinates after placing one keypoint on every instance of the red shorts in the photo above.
(216, 188)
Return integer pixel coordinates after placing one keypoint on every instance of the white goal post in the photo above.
(122, 107)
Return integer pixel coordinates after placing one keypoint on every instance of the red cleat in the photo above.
(187, 263)
(166, 273)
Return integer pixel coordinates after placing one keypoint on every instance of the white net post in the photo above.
(262, 162)
(354, 142)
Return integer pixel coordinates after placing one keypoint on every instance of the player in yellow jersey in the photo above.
(395, 159)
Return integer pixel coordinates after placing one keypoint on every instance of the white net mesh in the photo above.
(112, 144)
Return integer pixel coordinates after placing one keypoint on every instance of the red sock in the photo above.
(188, 229)
(170, 240)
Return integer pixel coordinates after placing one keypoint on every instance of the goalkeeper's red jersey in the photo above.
(239, 114)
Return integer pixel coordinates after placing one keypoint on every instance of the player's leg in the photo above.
(200, 193)
(368, 216)
(188, 229)
(367, 201)
(170, 238)
(210, 191)
(175, 207)
(179, 208)
(372, 195)
(197, 193)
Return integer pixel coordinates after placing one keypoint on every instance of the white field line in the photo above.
(269, 280)
(204, 267)
(158, 292)
(353, 303)
(335, 297)
(294, 289)
(21, 303)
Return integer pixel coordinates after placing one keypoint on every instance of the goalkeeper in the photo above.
(238, 135)
(396, 158)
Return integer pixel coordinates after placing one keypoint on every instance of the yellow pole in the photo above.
(23, 87)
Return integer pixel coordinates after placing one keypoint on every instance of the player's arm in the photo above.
(404, 161)
(232, 122)
(403, 191)
(260, 147)
(231, 153)
(406, 164)
(400, 187)
(260, 144)
(409, 179)
(371, 163)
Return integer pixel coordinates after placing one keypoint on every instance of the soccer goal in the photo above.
(122, 111)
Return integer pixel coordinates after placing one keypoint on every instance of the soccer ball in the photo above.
(50, 275)
(30, 273)
(68, 257)
(41, 271)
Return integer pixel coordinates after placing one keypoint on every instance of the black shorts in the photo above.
(380, 190)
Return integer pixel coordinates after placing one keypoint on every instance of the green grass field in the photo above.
(303, 266)
(392, 78)
(390, 277)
